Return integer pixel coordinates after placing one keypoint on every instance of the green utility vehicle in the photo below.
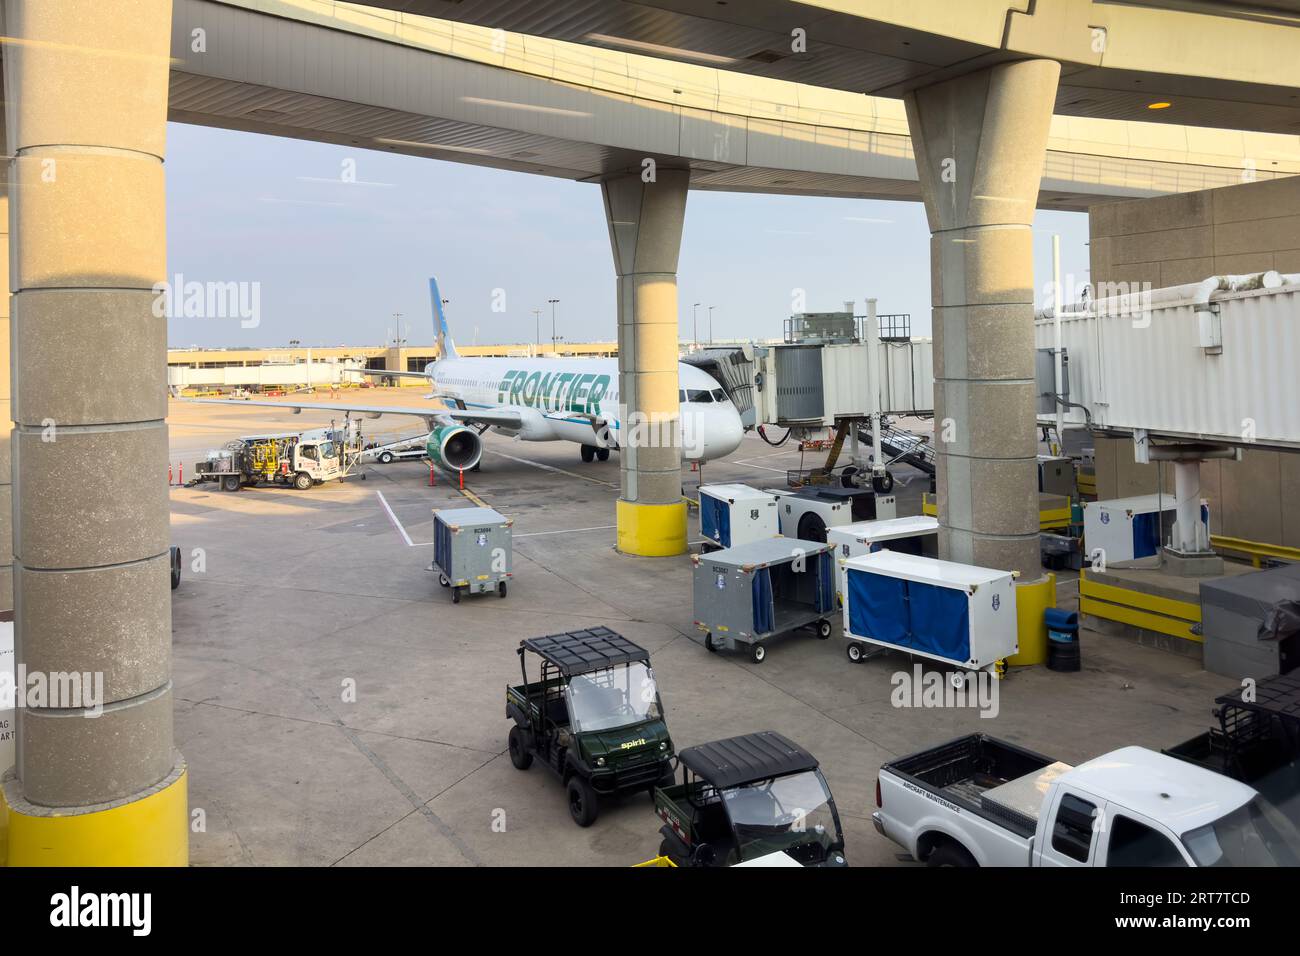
(593, 717)
(745, 799)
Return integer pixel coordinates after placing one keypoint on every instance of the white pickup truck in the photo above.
(979, 801)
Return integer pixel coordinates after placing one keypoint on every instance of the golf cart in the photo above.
(593, 717)
(746, 798)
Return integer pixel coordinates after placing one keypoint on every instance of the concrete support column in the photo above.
(645, 233)
(86, 86)
(6, 414)
(979, 141)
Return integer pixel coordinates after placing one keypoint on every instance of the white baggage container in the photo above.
(955, 613)
(918, 534)
(1129, 528)
(732, 515)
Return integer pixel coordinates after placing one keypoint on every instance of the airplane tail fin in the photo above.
(446, 347)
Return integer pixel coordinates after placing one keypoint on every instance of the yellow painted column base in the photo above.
(653, 531)
(152, 830)
(1032, 599)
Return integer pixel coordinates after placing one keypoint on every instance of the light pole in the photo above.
(710, 325)
(554, 338)
(537, 320)
(695, 328)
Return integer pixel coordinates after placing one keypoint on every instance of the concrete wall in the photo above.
(1172, 240)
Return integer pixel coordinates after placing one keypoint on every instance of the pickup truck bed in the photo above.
(993, 779)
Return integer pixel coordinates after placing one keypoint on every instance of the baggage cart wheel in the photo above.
(758, 652)
(856, 652)
(519, 755)
(501, 589)
(708, 643)
(823, 629)
(444, 580)
(455, 595)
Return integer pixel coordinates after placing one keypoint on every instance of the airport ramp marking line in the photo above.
(558, 471)
(474, 498)
(393, 518)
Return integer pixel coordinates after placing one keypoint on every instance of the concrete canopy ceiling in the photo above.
(866, 54)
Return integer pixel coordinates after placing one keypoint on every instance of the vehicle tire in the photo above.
(582, 801)
(757, 653)
(588, 453)
(501, 589)
(302, 481)
(666, 849)
(602, 454)
(520, 756)
(823, 629)
(176, 578)
(385, 457)
(229, 482)
(455, 595)
(949, 854)
(883, 484)
(856, 652)
(708, 643)
(847, 475)
(444, 580)
(812, 528)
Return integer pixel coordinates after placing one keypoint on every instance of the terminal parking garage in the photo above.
(449, 606)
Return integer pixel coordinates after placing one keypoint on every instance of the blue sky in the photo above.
(335, 260)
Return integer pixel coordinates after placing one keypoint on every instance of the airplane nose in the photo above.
(725, 432)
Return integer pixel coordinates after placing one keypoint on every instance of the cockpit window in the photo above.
(699, 395)
(719, 395)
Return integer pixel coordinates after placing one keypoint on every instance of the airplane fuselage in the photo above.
(578, 400)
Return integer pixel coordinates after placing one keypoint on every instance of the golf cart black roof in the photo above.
(580, 652)
(746, 759)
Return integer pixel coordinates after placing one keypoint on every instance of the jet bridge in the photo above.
(1190, 372)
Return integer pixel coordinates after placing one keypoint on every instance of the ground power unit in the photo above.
(1129, 528)
(472, 550)
(809, 512)
(736, 514)
(918, 534)
(958, 614)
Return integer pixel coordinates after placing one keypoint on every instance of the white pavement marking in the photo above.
(393, 518)
(749, 463)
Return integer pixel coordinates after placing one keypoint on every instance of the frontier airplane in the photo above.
(542, 399)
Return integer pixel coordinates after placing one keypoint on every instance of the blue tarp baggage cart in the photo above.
(750, 593)
(954, 613)
(732, 515)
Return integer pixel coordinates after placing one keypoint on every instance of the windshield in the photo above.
(784, 814)
(1255, 834)
(326, 450)
(614, 697)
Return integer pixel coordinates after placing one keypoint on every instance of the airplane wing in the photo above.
(385, 373)
(503, 417)
(431, 416)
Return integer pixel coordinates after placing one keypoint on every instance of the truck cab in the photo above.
(318, 459)
(979, 801)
